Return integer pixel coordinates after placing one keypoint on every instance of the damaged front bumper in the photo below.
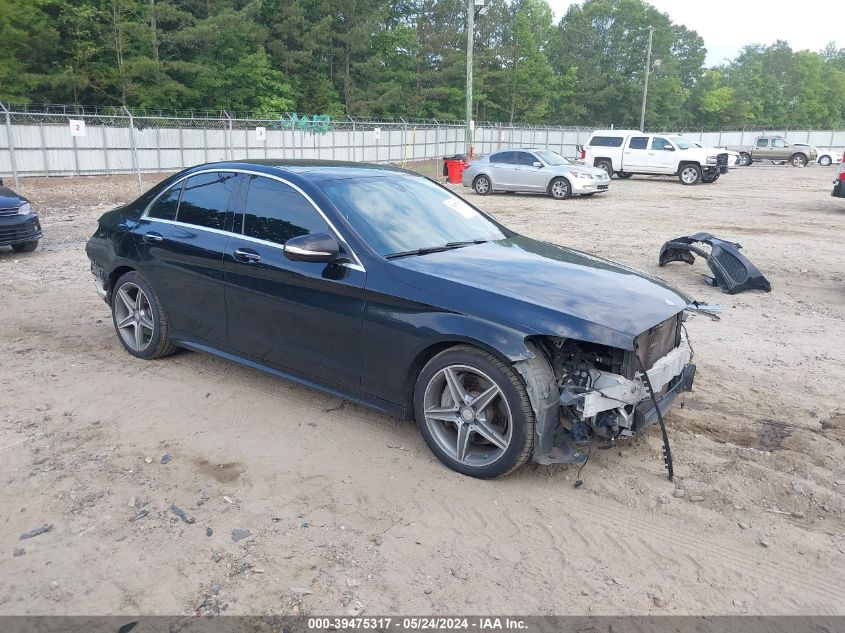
(614, 406)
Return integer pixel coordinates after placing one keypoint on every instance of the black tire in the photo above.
(798, 160)
(825, 161)
(685, 174)
(513, 396)
(25, 247)
(744, 159)
(624, 175)
(711, 179)
(606, 165)
(559, 188)
(159, 344)
(482, 185)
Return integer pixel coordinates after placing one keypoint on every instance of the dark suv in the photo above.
(19, 225)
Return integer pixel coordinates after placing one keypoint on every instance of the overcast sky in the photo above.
(728, 25)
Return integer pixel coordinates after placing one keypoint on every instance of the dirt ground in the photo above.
(348, 512)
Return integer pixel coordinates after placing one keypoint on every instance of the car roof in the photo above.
(617, 132)
(313, 170)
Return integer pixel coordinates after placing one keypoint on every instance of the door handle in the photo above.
(153, 236)
(247, 256)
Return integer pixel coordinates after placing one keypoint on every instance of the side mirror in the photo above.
(669, 148)
(537, 163)
(319, 248)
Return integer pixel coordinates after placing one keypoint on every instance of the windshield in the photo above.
(395, 214)
(680, 143)
(552, 158)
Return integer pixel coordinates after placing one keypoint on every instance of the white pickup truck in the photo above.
(629, 152)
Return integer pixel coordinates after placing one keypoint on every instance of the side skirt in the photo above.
(382, 406)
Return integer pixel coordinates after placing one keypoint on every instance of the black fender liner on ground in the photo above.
(732, 271)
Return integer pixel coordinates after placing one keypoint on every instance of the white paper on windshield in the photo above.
(456, 204)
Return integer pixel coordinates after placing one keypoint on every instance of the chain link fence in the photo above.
(57, 140)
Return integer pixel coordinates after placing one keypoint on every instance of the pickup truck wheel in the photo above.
(744, 159)
(825, 161)
(798, 160)
(605, 164)
(624, 175)
(559, 188)
(690, 174)
(708, 180)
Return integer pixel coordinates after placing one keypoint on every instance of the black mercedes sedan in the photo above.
(386, 289)
(19, 225)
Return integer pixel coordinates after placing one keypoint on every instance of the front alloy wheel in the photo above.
(559, 188)
(474, 413)
(690, 174)
(799, 160)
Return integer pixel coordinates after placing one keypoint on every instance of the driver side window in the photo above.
(276, 212)
(660, 143)
(778, 142)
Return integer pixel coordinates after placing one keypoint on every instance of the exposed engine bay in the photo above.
(609, 393)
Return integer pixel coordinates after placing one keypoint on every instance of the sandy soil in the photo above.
(347, 510)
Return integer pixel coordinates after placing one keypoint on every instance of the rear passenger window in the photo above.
(605, 141)
(638, 142)
(276, 212)
(762, 142)
(205, 200)
(502, 157)
(164, 208)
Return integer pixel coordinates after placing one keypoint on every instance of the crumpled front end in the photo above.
(602, 392)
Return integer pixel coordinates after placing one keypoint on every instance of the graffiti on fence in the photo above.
(316, 123)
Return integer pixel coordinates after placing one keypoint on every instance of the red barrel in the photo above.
(455, 169)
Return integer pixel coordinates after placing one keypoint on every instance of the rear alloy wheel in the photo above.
(798, 160)
(624, 174)
(25, 247)
(559, 188)
(690, 174)
(139, 318)
(605, 164)
(473, 412)
(482, 185)
(744, 159)
(825, 161)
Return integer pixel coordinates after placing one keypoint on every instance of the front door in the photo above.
(181, 241)
(529, 177)
(299, 316)
(662, 155)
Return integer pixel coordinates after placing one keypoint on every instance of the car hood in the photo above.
(544, 289)
(9, 198)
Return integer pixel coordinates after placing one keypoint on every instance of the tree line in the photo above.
(406, 58)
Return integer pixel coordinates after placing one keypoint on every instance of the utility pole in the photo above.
(470, 38)
(647, 70)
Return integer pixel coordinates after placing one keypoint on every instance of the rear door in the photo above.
(181, 240)
(304, 317)
(503, 169)
(762, 151)
(635, 157)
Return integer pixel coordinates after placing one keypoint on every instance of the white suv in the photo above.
(629, 152)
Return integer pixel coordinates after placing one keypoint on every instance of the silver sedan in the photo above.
(536, 170)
